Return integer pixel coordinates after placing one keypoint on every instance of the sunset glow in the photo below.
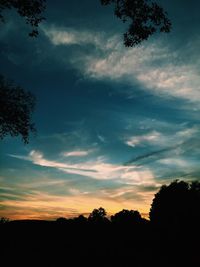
(113, 123)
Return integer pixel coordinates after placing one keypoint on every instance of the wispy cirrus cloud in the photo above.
(161, 139)
(136, 140)
(70, 36)
(96, 169)
(167, 154)
(154, 66)
(77, 153)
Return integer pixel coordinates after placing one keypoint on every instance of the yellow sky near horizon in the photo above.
(48, 207)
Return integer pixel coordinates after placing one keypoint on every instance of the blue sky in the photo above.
(113, 123)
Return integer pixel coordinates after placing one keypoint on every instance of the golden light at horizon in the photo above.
(45, 206)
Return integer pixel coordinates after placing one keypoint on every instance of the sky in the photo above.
(113, 123)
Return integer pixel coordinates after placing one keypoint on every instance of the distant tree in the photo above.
(4, 220)
(146, 17)
(177, 205)
(61, 220)
(81, 219)
(126, 217)
(31, 10)
(98, 215)
(16, 107)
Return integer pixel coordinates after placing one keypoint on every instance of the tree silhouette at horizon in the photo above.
(176, 205)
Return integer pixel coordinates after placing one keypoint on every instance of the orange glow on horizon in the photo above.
(48, 207)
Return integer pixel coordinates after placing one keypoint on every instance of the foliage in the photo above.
(127, 217)
(146, 17)
(31, 10)
(177, 205)
(4, 220)
(16, 107)
(61, 220)
(97, 215)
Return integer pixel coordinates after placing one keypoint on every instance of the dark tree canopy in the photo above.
(4, 220)
(98, 215)
(177, 205)
(126, 217)
(16, 107)
(61, 220)
(146, 17)
(31, 10)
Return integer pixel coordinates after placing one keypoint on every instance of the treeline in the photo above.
(99, 216)
(170, 238)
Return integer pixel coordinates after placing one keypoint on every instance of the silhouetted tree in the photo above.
(81, 219)
(31, 10)
(126, 217)
(61, 220)
(16, 107)
(146, 17)
(4, 220)
(98, 215)
(177, 205)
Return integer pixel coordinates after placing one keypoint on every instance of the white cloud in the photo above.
(179, 81)
(77, 153)
(96, 169)
(163, 140)
(69, 36)
(187, 133)
(154, 66)
(176, 162)
(136, 140)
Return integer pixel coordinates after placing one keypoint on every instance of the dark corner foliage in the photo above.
(16, 107)
(30, 10)
(145, 18)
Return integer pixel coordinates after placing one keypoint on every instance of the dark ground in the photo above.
(72, 243)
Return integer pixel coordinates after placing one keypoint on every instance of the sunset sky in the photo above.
(113, 123)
